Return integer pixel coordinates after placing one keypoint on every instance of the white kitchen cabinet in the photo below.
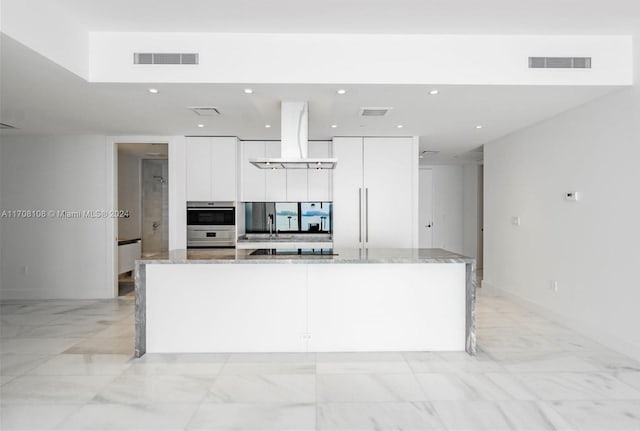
(211, 168)
(253, 179)
(310, 185)
(276, 179)
(375, 192)
(319, 182)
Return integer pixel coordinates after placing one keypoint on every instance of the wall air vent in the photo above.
(205, 111)
(4, 126)
(374, 112)
(165, 58)
(560, 62)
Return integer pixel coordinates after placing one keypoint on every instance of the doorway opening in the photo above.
(143, 206)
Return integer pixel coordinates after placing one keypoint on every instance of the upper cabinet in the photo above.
(283, 185)
(211, 168)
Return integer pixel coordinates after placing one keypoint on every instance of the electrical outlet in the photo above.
(554, 285)
(25, 270)
(515, 220)
(571, 196)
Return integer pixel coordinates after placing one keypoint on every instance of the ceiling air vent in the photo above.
(205, 111)
(4, 126)
(165, 58)
(560, 62)
(374, 112)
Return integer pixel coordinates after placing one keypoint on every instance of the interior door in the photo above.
(389, 190)
(426, 208)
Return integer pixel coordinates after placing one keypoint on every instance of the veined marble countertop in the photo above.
(341, 255)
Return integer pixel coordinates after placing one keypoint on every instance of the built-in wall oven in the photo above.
(211, 224)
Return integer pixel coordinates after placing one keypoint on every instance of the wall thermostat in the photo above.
(571, 196)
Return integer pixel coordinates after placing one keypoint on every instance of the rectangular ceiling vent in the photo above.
(165, 58)
(560, 62)
(205, 111)
(374, 112)
(4, 126)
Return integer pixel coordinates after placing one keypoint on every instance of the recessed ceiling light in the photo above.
(201, 125)
(267, 126)
(248, 90)
(434, 92)
(154, 91)
(341, 91)
(479, 126)
(399, 126)
(333, 126)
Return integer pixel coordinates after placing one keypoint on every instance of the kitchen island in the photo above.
(350, 300)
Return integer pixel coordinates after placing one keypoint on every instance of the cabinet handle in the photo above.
(360, 214)
(366, 225)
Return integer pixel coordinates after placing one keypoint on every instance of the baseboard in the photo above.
(609, 340)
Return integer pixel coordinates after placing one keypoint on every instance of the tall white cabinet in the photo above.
(211, 167)
(375, 192)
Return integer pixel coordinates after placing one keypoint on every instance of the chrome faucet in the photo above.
(271, 223)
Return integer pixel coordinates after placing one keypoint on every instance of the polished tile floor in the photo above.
(68, 365)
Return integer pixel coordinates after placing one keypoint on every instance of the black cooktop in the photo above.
(294, 252)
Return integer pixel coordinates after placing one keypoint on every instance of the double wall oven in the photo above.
(211, 224)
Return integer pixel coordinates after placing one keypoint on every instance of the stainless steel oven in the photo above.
(211, 224)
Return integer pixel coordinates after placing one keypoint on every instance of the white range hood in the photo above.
(294, 142)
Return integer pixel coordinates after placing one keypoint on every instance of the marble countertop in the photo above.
(343, 255)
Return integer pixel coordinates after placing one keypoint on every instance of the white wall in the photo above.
(49, 30)
(470, 215)
(455, 208)
(590, 247)
(55, 257)
(129, 195)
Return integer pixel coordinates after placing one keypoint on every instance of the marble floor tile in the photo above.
(447, 362)
(533, 361)
(201, 364)
(31, 346)
(360, 357)
(96, 345)
(377, 416)
(263, 417)
(129, 417)
(332, 388)
(275, 388)
(493, 415)
(15, 365)
(577, 386)
(9, 330)
(151, 389)
(460, 387)
(600, 415)
(118, 330)
(6, 379)
(34, 417)
(631, 378)
(363, 367)
(611, 361)
(260, 368)
(62, 331)
(52, 389)
(83, 365)
(512, 386)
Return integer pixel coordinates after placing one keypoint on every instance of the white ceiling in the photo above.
(40, 97)
(359, 16)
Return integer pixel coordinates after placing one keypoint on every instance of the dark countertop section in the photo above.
(128, 241)
(344, 255)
